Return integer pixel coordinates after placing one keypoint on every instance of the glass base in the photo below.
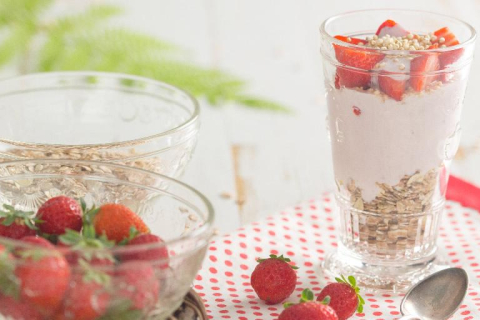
(380, 277)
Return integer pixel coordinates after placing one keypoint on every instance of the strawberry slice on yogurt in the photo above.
(391, 28)
(393, 75)
(361, 59)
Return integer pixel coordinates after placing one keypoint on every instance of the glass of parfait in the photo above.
(395, 91)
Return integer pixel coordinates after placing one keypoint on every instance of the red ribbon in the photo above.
(467, 194)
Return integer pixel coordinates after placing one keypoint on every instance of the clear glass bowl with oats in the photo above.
(98, 116)
(83, 275)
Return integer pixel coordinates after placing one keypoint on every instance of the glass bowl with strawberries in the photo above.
(88, 240)
(98, 116)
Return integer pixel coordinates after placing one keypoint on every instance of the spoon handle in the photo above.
(410, 318)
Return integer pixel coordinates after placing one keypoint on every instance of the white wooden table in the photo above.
(252, 163)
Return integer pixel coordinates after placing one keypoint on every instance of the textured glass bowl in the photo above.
(109, 117)
(172, 210)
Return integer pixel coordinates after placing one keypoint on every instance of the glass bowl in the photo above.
(177, 213)
(98, 116)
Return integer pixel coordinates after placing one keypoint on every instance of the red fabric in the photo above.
(467, 194)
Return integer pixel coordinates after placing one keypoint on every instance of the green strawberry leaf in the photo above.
(9, 284)
(8, 221)
(307, 295)
(133, 232)
(288, 304)
(360, 298)
(11, 215)
(121, 310)
(8, 207)
(326, 300)
(83, 205)
(353, 283)
(281, 258)
(92, 274)
(339, 280)
(360, 308)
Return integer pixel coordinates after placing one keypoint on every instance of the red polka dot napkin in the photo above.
(305, 233)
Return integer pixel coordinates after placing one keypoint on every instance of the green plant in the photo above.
(85, 41)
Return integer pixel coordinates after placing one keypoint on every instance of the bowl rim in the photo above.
(205, 230)
(194, 117)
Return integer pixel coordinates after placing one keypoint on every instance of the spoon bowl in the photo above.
(437, 297)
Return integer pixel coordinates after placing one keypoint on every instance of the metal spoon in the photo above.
(436, 297)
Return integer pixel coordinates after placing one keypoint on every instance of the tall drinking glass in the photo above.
(394, 126)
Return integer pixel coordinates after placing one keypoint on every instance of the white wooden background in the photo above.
(268, 161)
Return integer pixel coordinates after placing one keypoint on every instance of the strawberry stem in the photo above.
(352, 282)
(281, 258)
(11, 215)
(326, 300)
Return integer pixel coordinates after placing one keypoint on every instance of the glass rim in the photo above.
(205, 230)
(114, 75)
(332, 38)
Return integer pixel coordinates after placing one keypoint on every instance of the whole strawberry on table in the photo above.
(274, 280)
(64, 268)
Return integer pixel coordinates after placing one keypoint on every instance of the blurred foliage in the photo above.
(85, 41)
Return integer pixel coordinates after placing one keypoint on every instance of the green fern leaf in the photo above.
(26, 11)
(84, 41)
(59, 33)
(259, 103)
(16, 43)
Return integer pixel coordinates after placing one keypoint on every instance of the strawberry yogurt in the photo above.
(394, 113)
(376, 139)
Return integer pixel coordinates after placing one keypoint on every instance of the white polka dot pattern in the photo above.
(305, 233)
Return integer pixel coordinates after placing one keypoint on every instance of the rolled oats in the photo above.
(392, 222)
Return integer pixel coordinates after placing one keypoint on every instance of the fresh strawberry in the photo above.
(87, 298)
(344, 297)
(59, 214)
(391, 28)
(17, 224)
(37, 241)
(115, 220)
(136, 282)
(16, 310)
(445, 33)
(421, 69)
(362, 60)
(308, 309)
(274, 279)
(147, 247)
(448, 57)
(351, 40)
(394, 88)
(44, 276)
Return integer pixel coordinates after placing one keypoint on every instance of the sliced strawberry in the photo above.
(364, 59)
(449, 57)
(425, 63)
(351, 40)
(391, 28)
(392, 87)
(450, 39)
(337, 81)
